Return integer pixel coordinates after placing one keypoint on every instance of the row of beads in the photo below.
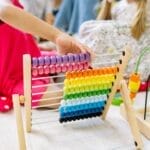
(90, 114)
(84, 100)
(102, 79)
(87, 88)
(52, 69)
(82, 106)
(81, 110)
(65, 59)
(92, 72)
(86, 94)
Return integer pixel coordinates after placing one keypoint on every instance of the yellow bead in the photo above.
(134, 86)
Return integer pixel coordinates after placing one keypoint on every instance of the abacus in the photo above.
(87, 92)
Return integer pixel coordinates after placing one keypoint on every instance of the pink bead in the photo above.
(34, 71)
(80, 65)
(58, 68)
(75, 67)
(86, 65)
(40, 70)
(46, 70)
(69, 67)
(64, 68)
(52, 69)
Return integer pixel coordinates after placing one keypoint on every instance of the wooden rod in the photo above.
(27, 89)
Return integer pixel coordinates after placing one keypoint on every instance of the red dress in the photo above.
(13, 44)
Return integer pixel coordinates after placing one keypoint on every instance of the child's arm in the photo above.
(26, 22)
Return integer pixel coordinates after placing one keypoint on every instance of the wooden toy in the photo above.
(87, 93)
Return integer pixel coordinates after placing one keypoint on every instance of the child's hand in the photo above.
(109, 1)
(67, 44)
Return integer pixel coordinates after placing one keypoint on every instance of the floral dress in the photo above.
(113, 35)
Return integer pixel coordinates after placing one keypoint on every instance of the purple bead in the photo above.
(34, 62)
(65, 59)
(59, 59)
(82, 57)
(76, 58)
(41, 61)
(53, 60)
(87, 57)
(47, 60)
(71, 58)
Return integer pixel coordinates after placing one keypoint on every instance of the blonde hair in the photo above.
(138, 25)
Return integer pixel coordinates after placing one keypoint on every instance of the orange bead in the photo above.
(110, 70)
(68, 75)
(135, 77)
(95, 72)
(99, 72)
(80, 74)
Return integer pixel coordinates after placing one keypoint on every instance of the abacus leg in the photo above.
(131, 115)
(20, 130)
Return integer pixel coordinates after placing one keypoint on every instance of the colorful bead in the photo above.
(58, 69)
(65, 59)
(34, 71)
(69, 67)
(53, 60)
(75, 67)
(46, 70)
(40, 70)
(87, 57)
(82, 57)
(76, 58)
(80, 66)
(34, 62)
(47, 60)
(71, 58)
(52, 69)
(41, 61)
(64, 68)
(59, 59)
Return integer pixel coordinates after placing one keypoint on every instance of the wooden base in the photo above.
(144, 125)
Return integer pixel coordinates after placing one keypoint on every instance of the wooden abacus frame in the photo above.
(143, 122)
(119, 83)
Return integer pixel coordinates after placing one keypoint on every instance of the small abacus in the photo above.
(87, 93)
